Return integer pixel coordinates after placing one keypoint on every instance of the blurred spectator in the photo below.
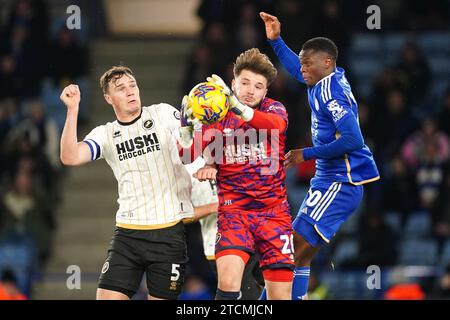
(42, 129)
(426, 152)
(414, 73)
(430, 139)
(297, 22)
(23, 213)
(376, 242)
(386, 82)
(24, 46)
(443, 115)
(61, 50)
(328, 23)
(442, 290)
(199, 66)
(9, 82)
(430, 176)
(8, 287)
(248, 31)
(398, 188)
(424, 15)
(395, 123)
(441, 209)
(216, 40)
(366, 123)
(34, 137)
(195, 289)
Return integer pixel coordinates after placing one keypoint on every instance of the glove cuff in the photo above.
(247, 113)
(185, 137)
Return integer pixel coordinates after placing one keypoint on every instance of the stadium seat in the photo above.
(435, 42)
(440, 66)
(418, 225)
(418, 252)
(347, 284)
(445, 255)
(366, 67)
(366, 44)
(394, 221)
(345, 251)
(394, 42)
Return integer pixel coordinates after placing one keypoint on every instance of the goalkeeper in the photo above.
(247, 148)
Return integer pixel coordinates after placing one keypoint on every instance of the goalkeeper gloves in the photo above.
(188, 122)
(241, 110)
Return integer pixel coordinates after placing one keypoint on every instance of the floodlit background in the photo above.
(56, 223)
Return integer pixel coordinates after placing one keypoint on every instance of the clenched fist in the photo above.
(71, 96)
(208, 172)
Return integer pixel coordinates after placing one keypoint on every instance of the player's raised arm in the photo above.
(287, 57)
(73, 153)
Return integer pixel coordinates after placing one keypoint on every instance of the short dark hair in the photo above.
(114, 73)
(322, 44)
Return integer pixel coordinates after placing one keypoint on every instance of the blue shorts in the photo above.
(327, 205)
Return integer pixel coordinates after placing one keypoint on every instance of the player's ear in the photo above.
(232, 85)
(108, 98)
(329, 62)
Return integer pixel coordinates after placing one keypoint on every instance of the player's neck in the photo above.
(127, 117)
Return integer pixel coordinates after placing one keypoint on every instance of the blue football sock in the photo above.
(263, 295)
(300, 283)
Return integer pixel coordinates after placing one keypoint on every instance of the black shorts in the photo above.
(160, 253)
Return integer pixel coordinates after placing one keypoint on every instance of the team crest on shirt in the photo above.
(218, 236)
(337, 111)
(275, 107)
(105, 267)
(148, 124)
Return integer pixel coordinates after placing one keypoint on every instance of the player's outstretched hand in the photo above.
(293, 158)
(187, 118)
(188, 122)
(272, 24)
(219, 82)
(208, 172)
(71, 96)
(241, 110)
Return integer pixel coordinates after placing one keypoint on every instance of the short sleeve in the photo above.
(96, 139)
(170, 116)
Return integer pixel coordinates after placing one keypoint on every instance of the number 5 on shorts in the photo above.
(175, 273)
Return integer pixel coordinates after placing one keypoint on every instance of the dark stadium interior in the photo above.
(400, 76)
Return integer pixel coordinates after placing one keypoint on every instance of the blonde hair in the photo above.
(113, 74)
(256, 62)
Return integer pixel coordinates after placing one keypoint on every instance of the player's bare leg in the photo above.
(104, 294)
(278, 290)
(303, 255)
(149, 297)
(230, 269)
(303, 251)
